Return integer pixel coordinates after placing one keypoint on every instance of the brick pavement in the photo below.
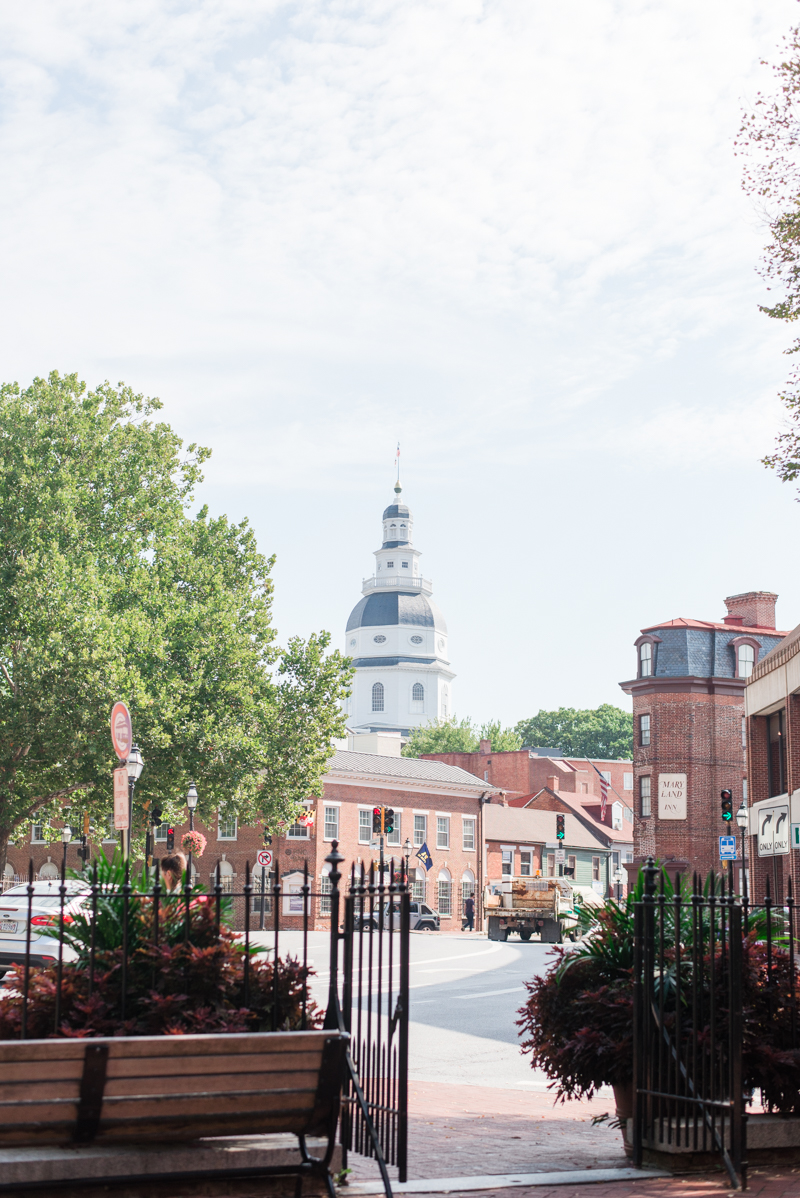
(459, 1131)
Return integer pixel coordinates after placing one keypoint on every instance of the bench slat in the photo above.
(47, 1088)
(168, 1105)
(235, 1044)
(71, 1070)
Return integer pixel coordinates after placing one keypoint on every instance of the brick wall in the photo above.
(699, 735)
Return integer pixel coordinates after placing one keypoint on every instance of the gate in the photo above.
(373, 924)
(687, 1060)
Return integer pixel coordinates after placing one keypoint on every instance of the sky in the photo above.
(509, 234)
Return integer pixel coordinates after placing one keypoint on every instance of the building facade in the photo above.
(689, 729)
(772, 704)
(435, 805)
(397, 639)
(521, 843)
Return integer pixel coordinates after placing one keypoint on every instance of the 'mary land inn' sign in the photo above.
(672, 796)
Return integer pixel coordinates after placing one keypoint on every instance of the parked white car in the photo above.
(45, 915)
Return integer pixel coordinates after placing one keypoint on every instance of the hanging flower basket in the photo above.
(194, 843)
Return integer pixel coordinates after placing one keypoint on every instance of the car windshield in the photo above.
(46, 902)
(46, 886)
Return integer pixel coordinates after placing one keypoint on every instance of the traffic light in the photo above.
(377, 821)
(560, 829)
(727, 805)
(388, 820)
(170, 840)
(155, 817)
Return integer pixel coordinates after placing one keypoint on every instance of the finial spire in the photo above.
(397, 487)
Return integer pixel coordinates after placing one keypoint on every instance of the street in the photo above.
(465, 995)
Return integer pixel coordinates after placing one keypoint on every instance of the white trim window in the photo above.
(645, 660)
(526, 863)
(443, 831)
(364, 826)
(747, 659)
(161, 832)
(298, 832)
(507, 865)
(627, 781)
(325, 893)
(37, 834)
(468, 831)
(420, 830)
(331, 829)
(228, 827)
(645, 809)
(377, 696)
(445, 886)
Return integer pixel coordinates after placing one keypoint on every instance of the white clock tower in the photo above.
(397, 638)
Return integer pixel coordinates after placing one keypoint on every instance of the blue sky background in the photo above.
(510, 234)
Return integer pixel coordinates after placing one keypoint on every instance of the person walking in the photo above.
(469, 911)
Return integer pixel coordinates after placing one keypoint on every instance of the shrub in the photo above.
(180, 986)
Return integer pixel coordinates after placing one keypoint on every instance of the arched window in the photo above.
(645, 659)
(418, 692)
(49, 870)
(377, 696)
(747, 659)
(225, 876)
(392, 532)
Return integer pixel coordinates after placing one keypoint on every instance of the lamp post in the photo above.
(66, 837)
(407, 847)
(134, 766)
(619, 878)
(742, 819)
(191, 803)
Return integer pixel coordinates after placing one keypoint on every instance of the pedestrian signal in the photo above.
(727, 805)
(170, 840)
(560, 828)
(377, 821)
(388, 820)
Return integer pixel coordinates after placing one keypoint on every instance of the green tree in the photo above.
(459, 736)
(600, 732)
(110, 589)
(769, 140)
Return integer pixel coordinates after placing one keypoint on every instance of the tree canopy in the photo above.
(600, 732)
(110, 589)
(459, 736)
(769, 140)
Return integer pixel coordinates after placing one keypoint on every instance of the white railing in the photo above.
(405, 584)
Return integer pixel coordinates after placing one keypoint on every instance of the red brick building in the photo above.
(689, 732)
(435, 804)
(772, 704)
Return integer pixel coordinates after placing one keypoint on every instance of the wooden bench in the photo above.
(175, 1088)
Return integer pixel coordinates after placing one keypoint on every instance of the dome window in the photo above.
(379, 640)
(418, 692)
(405, 565)
(390, 565)
(416, 640)
(377, 696)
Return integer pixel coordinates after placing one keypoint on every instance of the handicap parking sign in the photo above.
(727, 848)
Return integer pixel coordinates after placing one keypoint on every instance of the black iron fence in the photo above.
(705, 961)
(110, 952)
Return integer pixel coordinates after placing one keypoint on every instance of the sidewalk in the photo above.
(473, 1131)
(459, 1130)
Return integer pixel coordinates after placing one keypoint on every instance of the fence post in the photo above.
(738, 1117)
(333, 1015)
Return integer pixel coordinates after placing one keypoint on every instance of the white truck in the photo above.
(532, 906)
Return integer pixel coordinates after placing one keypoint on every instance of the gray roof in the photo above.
(530, 825)
(408, 769)
(412, 610)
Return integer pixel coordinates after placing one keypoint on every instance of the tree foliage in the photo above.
(459, 736)
(769, 140)
(600, 732)
(110, 589)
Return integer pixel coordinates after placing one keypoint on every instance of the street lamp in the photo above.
(134, 766)
(742, 819)
(619, 878)
(66, 837)
(191, 803)
(407, 847)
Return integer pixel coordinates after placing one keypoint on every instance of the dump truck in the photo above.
(532, 906)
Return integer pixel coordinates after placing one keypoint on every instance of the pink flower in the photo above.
(194, 843)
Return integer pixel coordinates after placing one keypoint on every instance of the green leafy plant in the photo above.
(183, 984)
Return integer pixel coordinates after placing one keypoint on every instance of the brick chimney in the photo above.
(485, 747)
(552, 783)
(752, 609)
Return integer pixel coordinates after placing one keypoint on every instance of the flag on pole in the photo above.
(603, 797)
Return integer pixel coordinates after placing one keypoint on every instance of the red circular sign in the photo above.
(121, 731)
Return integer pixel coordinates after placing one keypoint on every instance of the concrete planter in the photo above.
(771, 1140)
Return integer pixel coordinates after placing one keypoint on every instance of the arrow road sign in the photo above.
(264, 858)
(727, 848)
(773, 830)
